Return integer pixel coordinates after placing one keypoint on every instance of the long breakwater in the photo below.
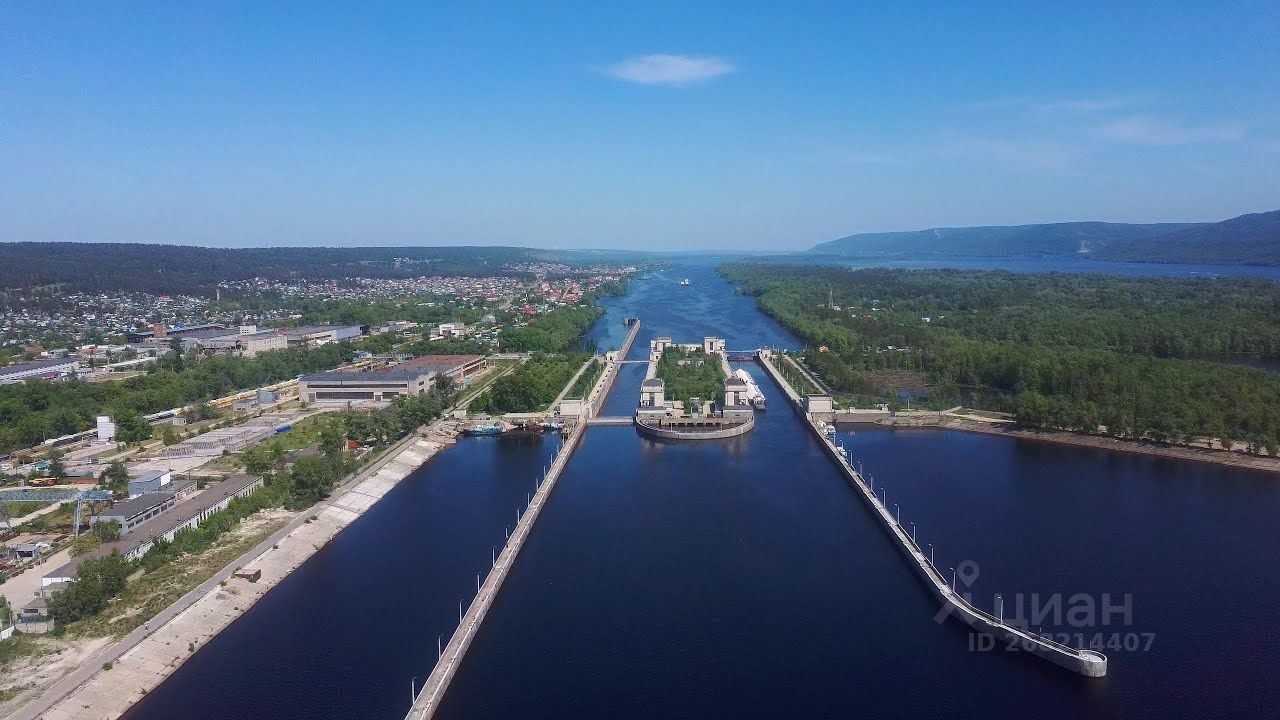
(427, 701)
(1084, 662)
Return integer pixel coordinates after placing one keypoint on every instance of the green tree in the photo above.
(106, 531)
(174, 358)
(57, 467)
(131, 427)
(96, 582)
(115, 478)
(332, 442)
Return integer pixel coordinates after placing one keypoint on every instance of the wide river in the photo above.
(744, 578)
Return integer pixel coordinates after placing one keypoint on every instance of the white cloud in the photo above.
(670, 70)
(1143, 130)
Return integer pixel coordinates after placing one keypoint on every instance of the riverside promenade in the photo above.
(1084, 662)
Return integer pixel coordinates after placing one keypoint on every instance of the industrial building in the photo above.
(347, 387)
(458, 368)
(48, 369)
(248, 341)
(412, 377)
(161, 332)
(164, 525)
(135, 511)
(315, 335)
(149, 482)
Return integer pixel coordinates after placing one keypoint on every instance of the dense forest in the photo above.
(1132, 357)
(560, 330)
(33, 411)
(132, 267)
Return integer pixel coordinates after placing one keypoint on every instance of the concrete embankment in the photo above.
(1084, 662)
(595, 400)
(630, 340)
(146, 657)
(709, 431)
(792, 395)
(954, 420)
(428, 699)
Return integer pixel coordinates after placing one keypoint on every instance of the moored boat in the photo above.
(486, 429)
(525, 429)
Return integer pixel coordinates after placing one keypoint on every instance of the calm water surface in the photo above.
(743, 578)
(345, 633)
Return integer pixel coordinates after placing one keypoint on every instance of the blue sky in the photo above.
(640, 125)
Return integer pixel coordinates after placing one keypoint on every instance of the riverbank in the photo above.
(1180, 452)
(115, 677)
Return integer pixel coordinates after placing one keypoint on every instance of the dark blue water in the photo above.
(344, 634)
(743, 578)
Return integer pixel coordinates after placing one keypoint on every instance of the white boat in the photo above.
(754, 396)
(684, 281)
(830, 431)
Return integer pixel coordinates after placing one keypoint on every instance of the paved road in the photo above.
(19, 589)
(93, 664)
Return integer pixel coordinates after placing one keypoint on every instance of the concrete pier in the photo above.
(594, 400)
(1084, 662)
(428, 700)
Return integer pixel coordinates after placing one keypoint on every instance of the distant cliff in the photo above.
(1248, 239)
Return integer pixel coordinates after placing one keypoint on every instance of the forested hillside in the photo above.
(1140, 357)
(1245, 240)
(185, 269)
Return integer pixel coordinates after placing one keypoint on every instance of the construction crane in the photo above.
(13, 495)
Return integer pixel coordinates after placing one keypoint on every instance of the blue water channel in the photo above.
(743, 578)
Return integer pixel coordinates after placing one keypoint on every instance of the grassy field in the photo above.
(690, 374)
(587, 380)
(304, 433)
(151, 593)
